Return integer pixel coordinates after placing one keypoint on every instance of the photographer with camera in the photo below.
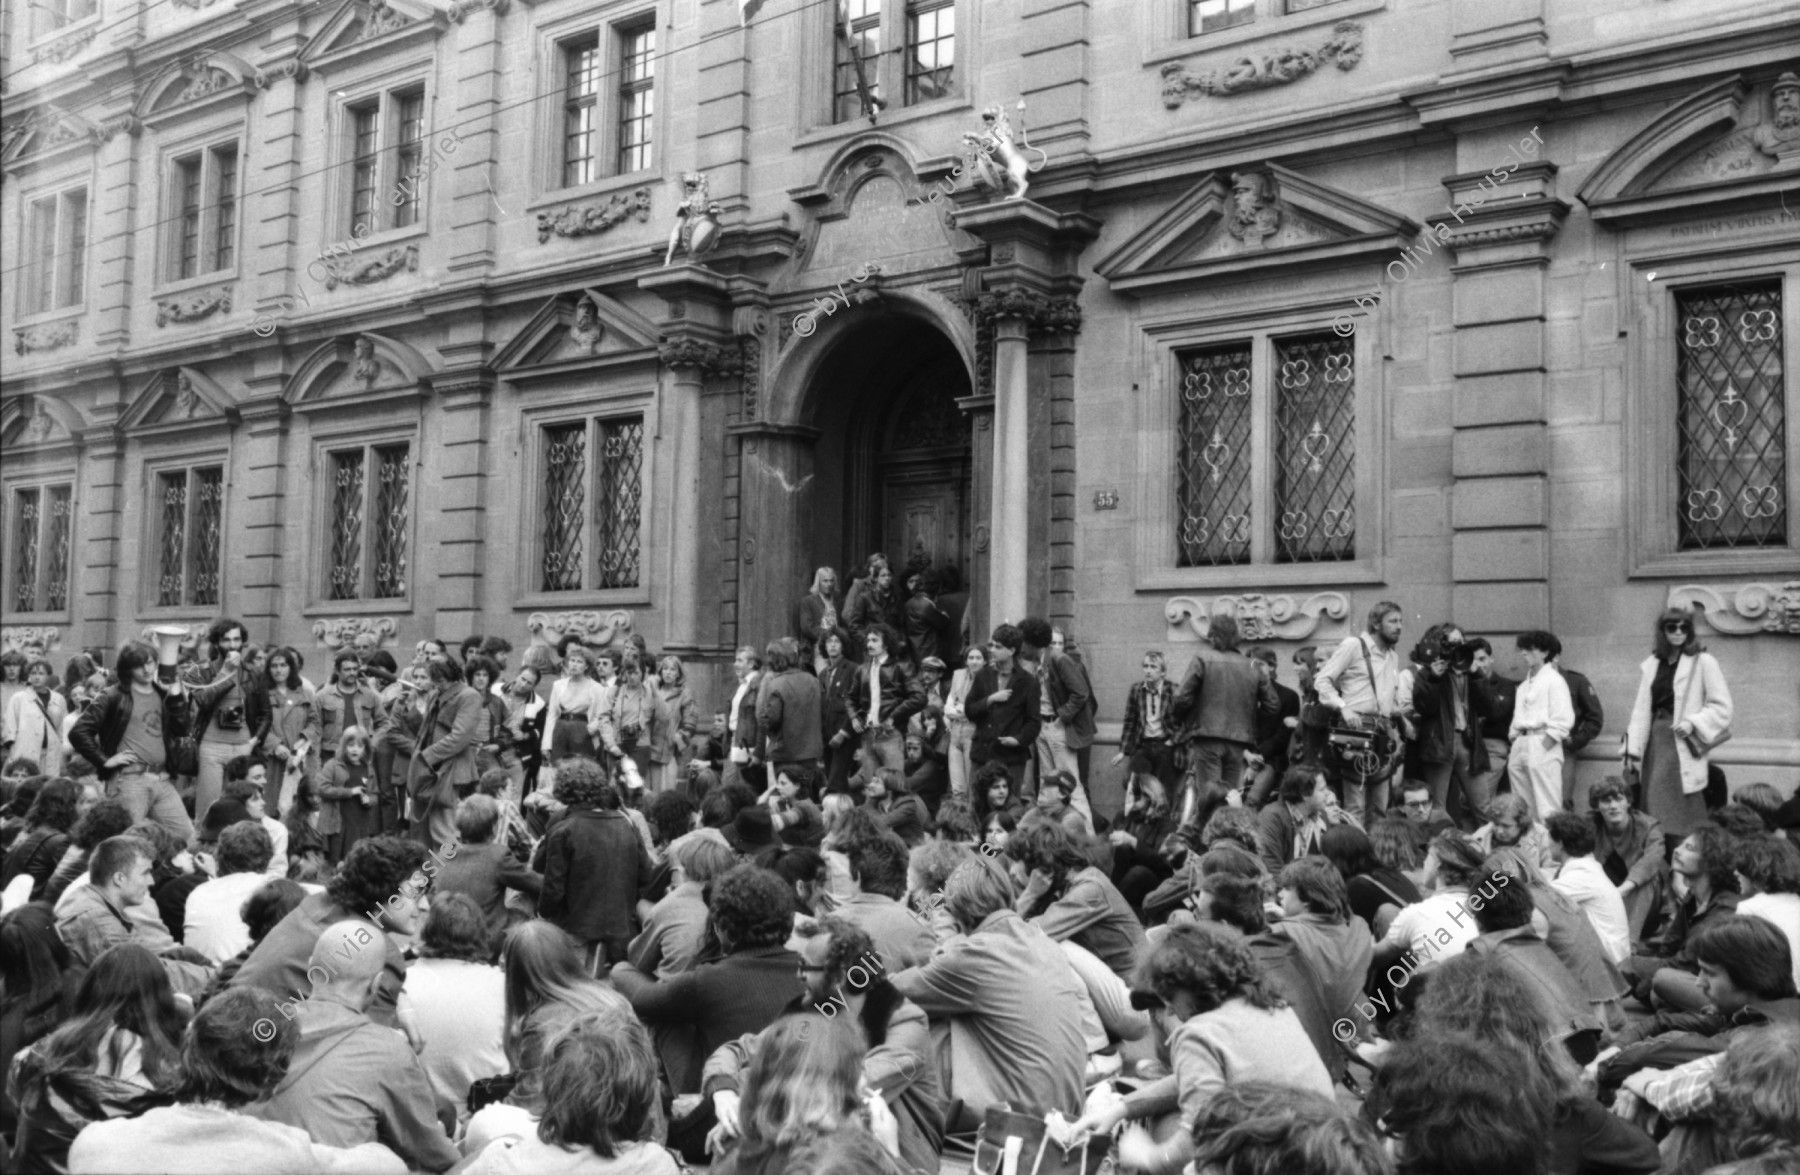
(1362, 681)
(1447, 718)
(231, 709)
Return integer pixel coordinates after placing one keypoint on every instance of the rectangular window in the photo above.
(410, 159)
(1290, 429)
(856, 84)
(58, 14)
(57, 251)
(205, 224)
(930, 50)
(370, 510)
(42, 526)
(1307, 5)
(581, 98)
(637, 94)
(189, 508)
(365, 167)
(608, 456)
(1731, 428)
(1210, 16)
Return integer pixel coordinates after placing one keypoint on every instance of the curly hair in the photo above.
(956, 821)
(1459, 1104)
(850, 945)
(373, 872)
(1485, 998)
(1260, 1128)
(224, 1058)
(581, 784)
(1756, 1091)
(215, 635)
(934, 861)
(751, 909)
(1739, 820)
(1211, 964)
(1459, 861)
(1718, 850)
(103, 821)
(1050, 847)
(273, 900)
(600, 1085)
(879, 865)
(1232, 826)
(671, 814)
(245, 847)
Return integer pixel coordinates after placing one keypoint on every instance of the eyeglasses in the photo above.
(1676, 626)
(806, 969)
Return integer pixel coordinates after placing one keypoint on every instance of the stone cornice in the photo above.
(712, 359)
(463, 8)
(1043, 313)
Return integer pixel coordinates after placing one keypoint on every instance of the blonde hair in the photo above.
(360, 736)
(802, 1080)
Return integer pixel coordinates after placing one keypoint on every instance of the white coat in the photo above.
(1704, 702)
(36, 734)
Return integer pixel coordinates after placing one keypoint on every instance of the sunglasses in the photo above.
(1677, 627)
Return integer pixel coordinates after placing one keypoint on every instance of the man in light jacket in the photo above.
(1543, 716)
(445, 768)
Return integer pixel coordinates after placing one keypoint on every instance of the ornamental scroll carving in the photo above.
(594, 628)
(712, 359)
(193, 307)
(462, 8)
(381, 21)
(374, 269)
(29, 638)
(1259, 617)
(1344, 50)
(349, 630)
(1743, 609)
(585, 220)
(51, 337)
(57, 52)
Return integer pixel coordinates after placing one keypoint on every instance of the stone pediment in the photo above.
(870, 208)
(573, 328)
(1252, 219)
(189, 87)
(46, 129)
(364, 26)
(38, 422)
(1726, 142)
(178, 396)
(351, 369)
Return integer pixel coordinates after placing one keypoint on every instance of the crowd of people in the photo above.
(865, 915)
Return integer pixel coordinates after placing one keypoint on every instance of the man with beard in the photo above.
(1362, 681)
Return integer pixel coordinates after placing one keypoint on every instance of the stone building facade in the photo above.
(350, 317)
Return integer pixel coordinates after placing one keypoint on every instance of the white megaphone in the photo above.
(168, 650)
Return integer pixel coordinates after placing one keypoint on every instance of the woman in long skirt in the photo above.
(1682, 703)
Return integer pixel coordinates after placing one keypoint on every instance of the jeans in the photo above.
(887, 745)
(1487, 782)
(1053, 754)
(962, 734)
(209, 784)
(148, 793)
(1218, 762)
(1468, 796)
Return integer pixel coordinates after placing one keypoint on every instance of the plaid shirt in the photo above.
(1133, 731)
(1683, 1092)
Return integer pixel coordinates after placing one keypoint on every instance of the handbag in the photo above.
(1038, 1153)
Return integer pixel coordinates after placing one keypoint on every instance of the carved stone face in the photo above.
(584, 315)
(1787, 107)
(1246, 194)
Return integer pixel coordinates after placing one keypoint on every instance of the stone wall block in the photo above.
(1491, 608)
(1497, 295)
(1491, 503)
(1495, 452)
(1506, 346)
(1495, 555)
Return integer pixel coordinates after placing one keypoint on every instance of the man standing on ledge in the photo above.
(1361, 681)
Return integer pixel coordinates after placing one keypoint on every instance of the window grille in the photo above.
(1214, 458)
(565, 505)
(1315, 441)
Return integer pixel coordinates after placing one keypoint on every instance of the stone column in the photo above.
(1500, 451)
(252, 570)
(1009, 560)
(775, 505)
(112, 239)
(459, 534)
(94, 605)
(980, 408)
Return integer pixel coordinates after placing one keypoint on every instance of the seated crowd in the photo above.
(449, 918)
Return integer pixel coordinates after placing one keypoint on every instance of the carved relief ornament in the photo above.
(1279, 68)
(373, 269)
(57, 52)
(462, 8)
(193, 307)
(20, 637)
(1743, 609)
(583, 220)
(1040, 311)
(709, 357)
(1259, 617)
(49, 337)
(347, 630)
(594, 627)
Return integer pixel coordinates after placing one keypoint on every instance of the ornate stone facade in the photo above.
(1319, 616)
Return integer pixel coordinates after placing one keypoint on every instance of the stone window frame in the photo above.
(1165, 26)
(527, 590)
(385, 89)
(1159, 374)
(552, 41)
(168, 261)
(26, 285)
(151, 470)
(1652, 530)
(317, 541)
(813, 111)
(44, 478)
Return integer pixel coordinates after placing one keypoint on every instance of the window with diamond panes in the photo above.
(1315, 449)
(189, 507)
(593, 499)
(1731, 425)
(1213, 458)
(42, 521)
(370, 510)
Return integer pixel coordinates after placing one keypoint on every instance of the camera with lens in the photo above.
(229, 718)
(1434, 648)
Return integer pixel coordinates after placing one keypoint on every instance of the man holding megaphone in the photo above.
(127, 734)
(231, 710)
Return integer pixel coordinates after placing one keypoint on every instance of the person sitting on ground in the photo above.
(1291, 827)
(1629, 846)
(1438, 927)
(1053, 806)
(801, 1098)
(353, 1081)
(1226, 1024)
(1068, 898)
(459, 998)
(261, 912)
(1737, 1113)
(39, 849)
(675, 929)
(1424, 818)
(1581, 879)
(878, 868)
(107, 819)
(1258, 1128)
(1315, 914)
(1511, 829)
(1136, 839)
(213, 924)
(97, 915)
(791, 808)
(1746, 976)
(900, 1066)
(752, 913)
(1768, 875)
(482, 868)
(1455, 1105)
(1507, 933)
(956, 822)
(1764, 800)
(600, 1108)
(1664, 974)
(1377, 893)
(884, 793)
(1012, 1003)
(229, 1061)
(121, 1044)
(249, 789)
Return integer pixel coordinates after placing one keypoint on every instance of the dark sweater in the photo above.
(595, 868)
(485, 872)
(722, 1000)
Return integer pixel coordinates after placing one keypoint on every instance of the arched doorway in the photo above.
(894, 459)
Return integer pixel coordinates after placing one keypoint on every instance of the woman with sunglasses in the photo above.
(1683, 706)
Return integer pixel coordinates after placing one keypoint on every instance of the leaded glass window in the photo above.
(1213, 461)
(188, 193)
(409, 161)
(189, 511)
(370, 499)
(56, 252)
(365, 167)
(1731, 450)
(593, 493)
(28, 511)
(1315, 449)
(204, 189)
(42, 521)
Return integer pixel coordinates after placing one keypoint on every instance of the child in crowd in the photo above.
(347, 795)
